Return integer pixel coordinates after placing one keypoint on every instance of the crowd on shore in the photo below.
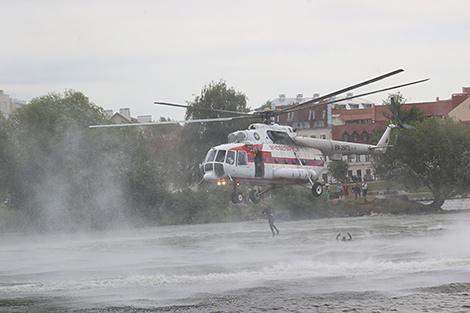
(343, 191)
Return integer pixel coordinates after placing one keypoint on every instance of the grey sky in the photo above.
(131, 53)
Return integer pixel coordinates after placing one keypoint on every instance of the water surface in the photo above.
(404, 263)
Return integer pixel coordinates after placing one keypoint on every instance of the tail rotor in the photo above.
(399, 123)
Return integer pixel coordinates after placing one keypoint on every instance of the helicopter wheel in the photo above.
(317, 189)
(254, 196)
(237, 197)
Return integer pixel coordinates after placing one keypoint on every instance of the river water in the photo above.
(395, 263)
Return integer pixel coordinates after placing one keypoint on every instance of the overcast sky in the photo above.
(132, 53)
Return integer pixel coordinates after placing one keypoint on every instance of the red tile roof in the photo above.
(435, 108)
(359, 128)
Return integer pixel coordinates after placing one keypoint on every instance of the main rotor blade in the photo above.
(364, 83)
(209, 120)
(292, 109)
(199, 108)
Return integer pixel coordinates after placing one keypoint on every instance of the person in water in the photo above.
(270, 215)
(344, 238)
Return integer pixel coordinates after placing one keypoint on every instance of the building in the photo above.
(124, 117)
(461, 112)
(9, 105)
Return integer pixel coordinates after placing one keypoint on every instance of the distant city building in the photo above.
(109, 113)
(144, 118)
(9, 105)
(124, 117)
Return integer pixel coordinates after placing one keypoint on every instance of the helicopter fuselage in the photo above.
(274, 155)
(262, 164)
(263, 155)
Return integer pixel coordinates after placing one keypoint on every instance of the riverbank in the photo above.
(396, 203)
(381, 204)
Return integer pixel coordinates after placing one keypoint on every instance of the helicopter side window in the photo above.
(270, 136)
(230, 157)
(220, 156)
(242, 159)
(280, 137)
(210, 155)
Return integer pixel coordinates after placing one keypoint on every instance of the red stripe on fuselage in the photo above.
(269, 159)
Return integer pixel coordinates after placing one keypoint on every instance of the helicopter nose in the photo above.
(210, 176)
(213, 171)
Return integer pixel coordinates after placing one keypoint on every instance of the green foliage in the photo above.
(6, 158)
(339, 170)
(216, 96)
(202, 206)
(169, 151)
(435, 156)
(266, 106)
(67, 176)
(299, 202)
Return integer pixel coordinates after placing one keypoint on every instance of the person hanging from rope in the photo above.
(270, 215)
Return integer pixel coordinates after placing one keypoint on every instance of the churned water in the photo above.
(395, 263)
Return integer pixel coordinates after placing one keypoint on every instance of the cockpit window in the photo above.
(242, 159)
(210, 155)
(220, 156)
(230, 157)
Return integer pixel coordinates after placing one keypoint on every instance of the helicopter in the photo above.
(267, 155)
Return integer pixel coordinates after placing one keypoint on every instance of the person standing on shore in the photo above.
(339, 188)
(346, 191)
(357, 191)
(364, 188)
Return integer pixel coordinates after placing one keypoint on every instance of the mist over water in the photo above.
(405, 263)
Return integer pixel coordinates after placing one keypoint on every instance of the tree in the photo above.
(266, 106)
(6, 158)
(298, 201)
(339, 170)
(435, 156)
(67, 176)
(169, 150)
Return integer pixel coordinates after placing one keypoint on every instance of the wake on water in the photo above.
(407, 263)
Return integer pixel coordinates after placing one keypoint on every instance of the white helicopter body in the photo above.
(274, 155)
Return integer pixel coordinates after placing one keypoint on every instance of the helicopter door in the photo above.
(259, 164)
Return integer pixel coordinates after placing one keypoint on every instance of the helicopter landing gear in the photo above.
(317, 189)
(255, 196)
(237, 197)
